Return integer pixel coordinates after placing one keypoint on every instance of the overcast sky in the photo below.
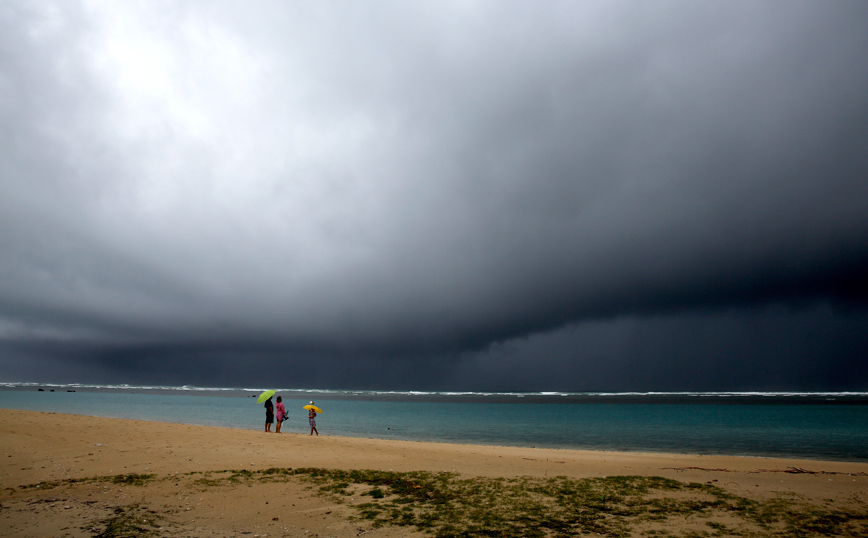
(444, 195)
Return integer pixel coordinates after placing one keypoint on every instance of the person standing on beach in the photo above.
(281, 413)
(311, 417)
(269, 414)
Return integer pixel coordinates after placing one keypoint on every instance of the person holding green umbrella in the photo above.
(269, 408)
(269, 414)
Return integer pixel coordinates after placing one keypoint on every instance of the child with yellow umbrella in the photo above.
(312, 410)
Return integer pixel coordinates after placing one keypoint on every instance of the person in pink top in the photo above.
(281, 413)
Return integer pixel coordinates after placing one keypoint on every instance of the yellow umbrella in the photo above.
(265, 395)
(315, 408)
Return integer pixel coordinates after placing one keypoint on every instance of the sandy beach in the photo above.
(69, 475)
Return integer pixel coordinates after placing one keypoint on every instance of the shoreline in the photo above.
(815, 431)
(61, 436)
(587, 451)
(40, 447)
(803, 459)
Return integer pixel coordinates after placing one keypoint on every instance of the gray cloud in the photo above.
(409, 189)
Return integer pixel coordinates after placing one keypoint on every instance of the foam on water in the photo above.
(444, 394)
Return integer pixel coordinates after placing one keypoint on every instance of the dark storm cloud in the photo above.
(758, 349)
(378, 184)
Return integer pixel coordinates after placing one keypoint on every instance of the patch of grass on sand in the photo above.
(444, 504)
(131, 479)
(794, 518)
(236, 476)
(128, 479)
(128, 522)
(448, 505)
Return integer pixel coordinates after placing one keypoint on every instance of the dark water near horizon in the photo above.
(823, 426)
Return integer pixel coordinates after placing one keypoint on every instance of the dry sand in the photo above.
(48, 447)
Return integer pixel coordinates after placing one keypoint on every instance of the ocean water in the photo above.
(823, 426)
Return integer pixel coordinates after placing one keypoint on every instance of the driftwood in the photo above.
(790, 470)
(797, 470)
(698, 469)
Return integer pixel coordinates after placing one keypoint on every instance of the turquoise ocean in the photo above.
(820, 426)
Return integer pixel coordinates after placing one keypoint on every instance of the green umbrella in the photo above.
(265, 395)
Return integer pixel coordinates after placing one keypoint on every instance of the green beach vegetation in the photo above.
(449, 505)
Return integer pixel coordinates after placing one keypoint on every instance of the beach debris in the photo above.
(789, 470)
(798, 470)
(698, 469)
